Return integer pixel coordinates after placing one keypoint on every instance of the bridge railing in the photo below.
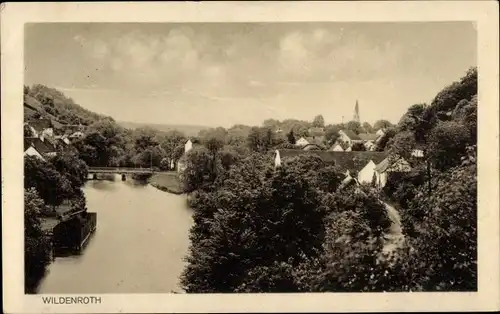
(118, 169)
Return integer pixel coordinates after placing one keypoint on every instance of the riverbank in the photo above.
(129, 215)
(167, 182)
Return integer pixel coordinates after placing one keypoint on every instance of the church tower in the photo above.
(356, 113)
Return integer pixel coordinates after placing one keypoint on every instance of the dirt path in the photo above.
(395, 237)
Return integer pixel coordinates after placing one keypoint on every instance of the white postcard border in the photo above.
(484, 13)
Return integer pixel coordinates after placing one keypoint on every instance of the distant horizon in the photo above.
(215, 74)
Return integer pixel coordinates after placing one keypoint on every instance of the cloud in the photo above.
(254, 63)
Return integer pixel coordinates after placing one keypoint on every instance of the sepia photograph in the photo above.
(237, 157)
(250, 157)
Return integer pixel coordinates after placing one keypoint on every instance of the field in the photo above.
(168, 182)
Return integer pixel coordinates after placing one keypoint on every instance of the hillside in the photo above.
(188, 130)
(46, 102)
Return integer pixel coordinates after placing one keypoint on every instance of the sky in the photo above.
(221, 74)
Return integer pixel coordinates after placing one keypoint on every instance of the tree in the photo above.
(381, 144)
(354, 126)
(318, 121)
(69, 165)
(351, 257)
(27, 131)
(213, 144)
(198, 169)
(381, 124)
(448, 219)
(165, 164)
(449, 97)
(271, 123)
(367, 128)
(170, 143)
(282, 221)
(257, 139)
(332, 134)
(37, 248)
(52, 187)
(358, 147)
(291, 137)
(402, 144)
(447, 144)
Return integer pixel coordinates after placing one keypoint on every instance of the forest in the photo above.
(295, 228)
(47, 184)
(291, 229)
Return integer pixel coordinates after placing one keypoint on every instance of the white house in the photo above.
(181, 163)
(188, 146)
(63, 139)
(77, 135)
(349, 137)
(380, 133)
(365, 175)
(302, 142)
(337, 148)
(31, 151)
(419, 153)
(385, 167)
(34, 146)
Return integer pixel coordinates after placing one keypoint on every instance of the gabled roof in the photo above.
(385, 164)
(353, 161)
(368, 136)
(317, 140)
(350, 134)
(41, 146)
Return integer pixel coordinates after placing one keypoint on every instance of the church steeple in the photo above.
(356, 112)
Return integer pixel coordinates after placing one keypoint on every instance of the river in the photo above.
(141, 239)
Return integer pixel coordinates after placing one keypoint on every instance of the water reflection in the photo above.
(138, 247)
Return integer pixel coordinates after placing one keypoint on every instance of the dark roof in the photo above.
(42, 147)
(368, 136)
(317, 140)
(40, 124)
(389, 162)
(351, 135)
(353, 161)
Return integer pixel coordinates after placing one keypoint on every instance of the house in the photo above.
(366, 174)
(380, 133)
(69, 129)
(336, 148)
(63, 139)
(181, 163)
(349, 163)
(41, 127)
(302, 142)
(30, 150)
(77, 135)
(314, 142)
(368, 139)
(35, 146)
(349, 137)
(418, 151)
(387, 166)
